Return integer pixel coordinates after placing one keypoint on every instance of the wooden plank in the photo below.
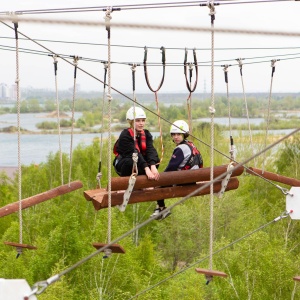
(99, 197)
(274, 177)
(20, 245)
(115, 248)
(211, 272)
(28, 202)
(170, 178)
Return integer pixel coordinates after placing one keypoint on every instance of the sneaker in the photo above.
(165, 213)
(156, 213)
(158, 210)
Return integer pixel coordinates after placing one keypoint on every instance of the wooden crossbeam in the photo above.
(99, 197)
(274, 177)
(174, 177)
(28, 202)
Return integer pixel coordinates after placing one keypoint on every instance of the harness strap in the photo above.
(143, 141)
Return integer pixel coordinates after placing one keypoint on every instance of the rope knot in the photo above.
(109, 97)
(211, 7)
(108, 17)
(99, 176)
(133, 67)
(212, 110)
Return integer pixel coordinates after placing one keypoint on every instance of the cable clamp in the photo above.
(285, 214)
(284, 190)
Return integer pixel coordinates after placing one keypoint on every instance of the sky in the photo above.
(258, 51)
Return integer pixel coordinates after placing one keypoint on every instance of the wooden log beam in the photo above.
(170, 178)
(28, 202)
(274, 177)
(99, 197)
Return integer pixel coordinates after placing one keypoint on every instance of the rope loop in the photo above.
(190, 65)
(146, 71)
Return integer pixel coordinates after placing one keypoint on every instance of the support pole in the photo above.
(28, 202)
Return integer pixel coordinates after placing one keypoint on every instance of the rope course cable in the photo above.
(44, 284)
(152, 47)
(273, 61)
(170, 64)
(282, 216)
(138, 6)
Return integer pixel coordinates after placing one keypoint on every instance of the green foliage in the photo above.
(259, 256)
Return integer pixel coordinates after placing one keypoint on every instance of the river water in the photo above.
(35, 148)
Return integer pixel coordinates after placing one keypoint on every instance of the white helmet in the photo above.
(180, 126)
(135, 113)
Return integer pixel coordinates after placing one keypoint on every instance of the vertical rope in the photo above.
(159, 126)
(246, 106)
(58, 119)
(75, 62)
(273, 61)
(212, 112)
(99, 175)
(134, 157)
(19, 141)
(109, 98)
(232, 148)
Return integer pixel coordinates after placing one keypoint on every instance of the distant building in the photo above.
(13, 92)
(4, 92)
